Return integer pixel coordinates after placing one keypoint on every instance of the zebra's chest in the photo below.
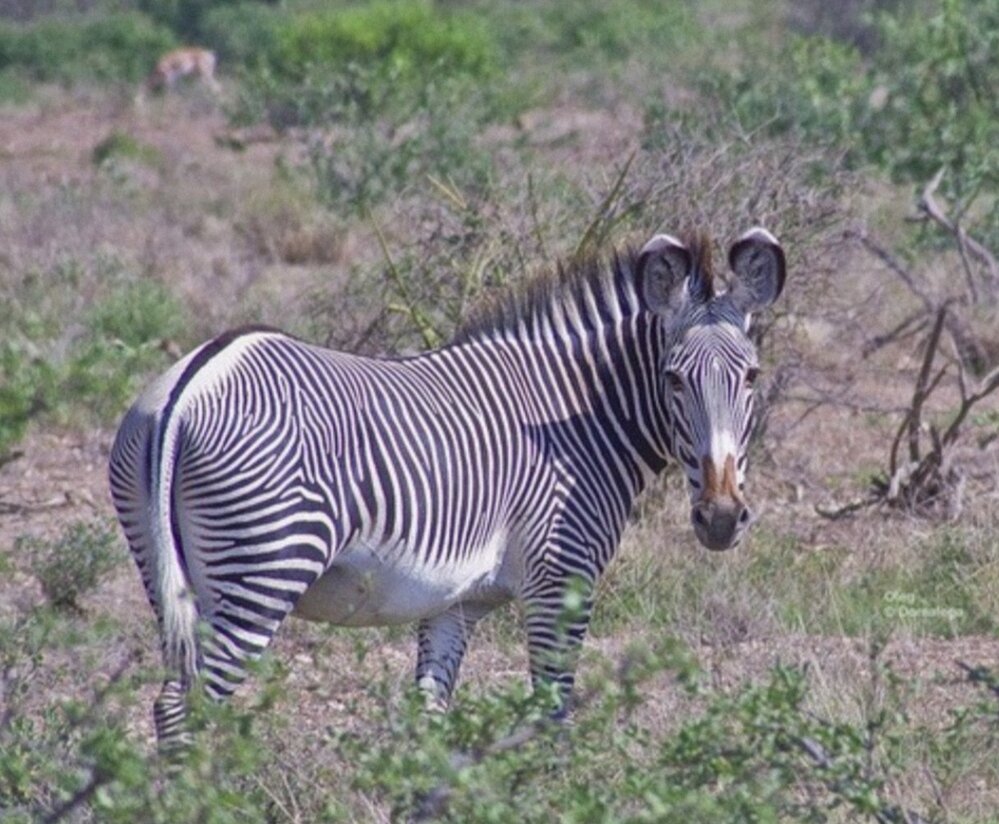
(375, 585)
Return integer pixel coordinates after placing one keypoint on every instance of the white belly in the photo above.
(374, 586)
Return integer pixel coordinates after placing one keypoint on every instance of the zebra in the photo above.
(263, 476)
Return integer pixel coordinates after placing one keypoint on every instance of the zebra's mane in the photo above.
(610, 286)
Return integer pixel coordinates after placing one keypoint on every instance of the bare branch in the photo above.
(847, 509)
(923, 389)
(929, 207)
(912, 325)
(892, 263)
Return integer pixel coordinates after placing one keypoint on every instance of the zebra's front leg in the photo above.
(557, 615)
(443, 640)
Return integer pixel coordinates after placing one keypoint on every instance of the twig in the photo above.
(81, 796)
(924, 386)
(888, 814)
(592, 235)
(889, 260)
(433, 804)
(409, 306)
(847, 509)
(929, 207)
(912, 325)
(981, 675)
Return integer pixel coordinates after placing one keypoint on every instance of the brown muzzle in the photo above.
(720, 514)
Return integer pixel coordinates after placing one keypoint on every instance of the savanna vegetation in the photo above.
(371, 175)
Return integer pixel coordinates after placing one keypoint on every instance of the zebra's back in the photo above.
(294, 463)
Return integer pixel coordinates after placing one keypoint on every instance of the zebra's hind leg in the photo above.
(170, 719)
(239, 632)
(443, 640)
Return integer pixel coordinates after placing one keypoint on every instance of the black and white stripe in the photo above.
(263, 475)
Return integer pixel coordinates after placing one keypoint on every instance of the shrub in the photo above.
(361, 64)
(405, 37)
(758, 753)
(75, 563)
(124, 341)
(55, 370)
(937, 77)
(119, 145)
(185, 17)
(242, 34)
(390, 141)
(118, 47)
(26, 389)
(919, 102)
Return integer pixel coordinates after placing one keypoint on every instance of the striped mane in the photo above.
(583, 284)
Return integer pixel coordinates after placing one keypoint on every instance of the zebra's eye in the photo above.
(751, 375)
(674, 380)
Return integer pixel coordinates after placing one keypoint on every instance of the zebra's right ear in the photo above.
(664, 265)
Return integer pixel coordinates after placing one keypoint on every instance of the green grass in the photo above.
(941, 586)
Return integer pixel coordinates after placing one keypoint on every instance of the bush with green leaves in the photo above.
(115, 47)
(73, 564)
(920, 101)
(27, 383)
(77, 760)
(243, 35)
(405, 38)
(759, 751)
(936, 106)
(56, 368)
(121, 146)
(187, 17)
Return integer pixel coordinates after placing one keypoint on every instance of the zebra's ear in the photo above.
(663, 267)
(757, 260)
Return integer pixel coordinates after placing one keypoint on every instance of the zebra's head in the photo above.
(708, 367)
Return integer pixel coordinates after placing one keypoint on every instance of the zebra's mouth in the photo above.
(720, 524)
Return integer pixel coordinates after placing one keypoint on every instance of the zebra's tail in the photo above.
(176, 596)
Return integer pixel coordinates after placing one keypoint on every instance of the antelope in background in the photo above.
(179, 64)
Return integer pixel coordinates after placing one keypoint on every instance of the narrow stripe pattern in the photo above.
(263, 475)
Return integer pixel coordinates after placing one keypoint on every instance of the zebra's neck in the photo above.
(588, 355)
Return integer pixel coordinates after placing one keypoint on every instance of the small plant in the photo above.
(26, 384)
(758, 753)
(119, 145)
(75, 563)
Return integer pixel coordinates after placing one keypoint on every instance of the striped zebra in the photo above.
(262, 475)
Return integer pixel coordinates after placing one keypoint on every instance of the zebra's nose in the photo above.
(719, 523)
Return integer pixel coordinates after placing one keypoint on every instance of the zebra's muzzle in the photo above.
(720, 524)
(720, 516)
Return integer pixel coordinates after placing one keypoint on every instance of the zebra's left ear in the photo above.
(757, 260)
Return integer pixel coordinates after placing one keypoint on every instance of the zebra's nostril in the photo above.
(744, 517)
(699, 518)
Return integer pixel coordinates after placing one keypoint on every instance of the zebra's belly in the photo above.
(374, 586)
